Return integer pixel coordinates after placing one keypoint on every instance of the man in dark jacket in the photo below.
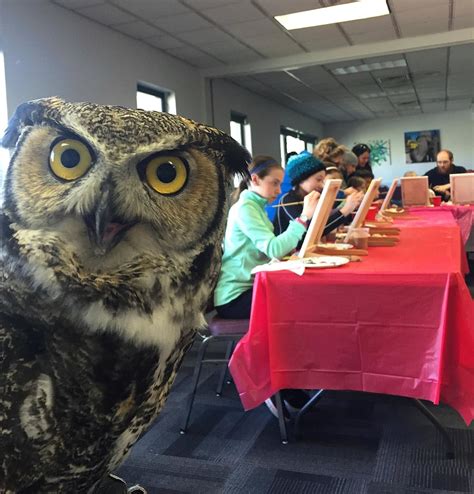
(438, 177)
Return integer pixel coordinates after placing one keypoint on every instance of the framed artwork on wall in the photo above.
(422, 146)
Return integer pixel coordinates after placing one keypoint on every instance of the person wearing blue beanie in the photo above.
(307, 173)
(303, 166)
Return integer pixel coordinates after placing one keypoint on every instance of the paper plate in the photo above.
(324, 261)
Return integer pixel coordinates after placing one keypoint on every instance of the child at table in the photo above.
(308, 174)
(249, 238)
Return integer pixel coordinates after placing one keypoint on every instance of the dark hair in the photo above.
(261, 165)
(363, 173)
(357, 183)
(289, 155)
(359, 149)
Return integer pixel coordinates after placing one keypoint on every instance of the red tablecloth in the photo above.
(400, 322)
(464, 215)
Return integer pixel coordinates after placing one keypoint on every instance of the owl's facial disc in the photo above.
(104, 228)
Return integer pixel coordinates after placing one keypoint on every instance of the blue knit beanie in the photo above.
(302, 166)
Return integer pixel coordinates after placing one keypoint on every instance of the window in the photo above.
(295, 141)
(240, 130)
(155, 99)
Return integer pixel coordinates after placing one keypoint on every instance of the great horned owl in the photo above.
(110, 245)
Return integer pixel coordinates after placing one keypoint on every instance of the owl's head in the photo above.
(114, 181)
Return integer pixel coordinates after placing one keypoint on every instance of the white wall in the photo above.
(265, 117)
(50, 51)
(456, 132)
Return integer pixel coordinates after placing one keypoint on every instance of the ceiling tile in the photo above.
(206, 4)
(427, 60)
(373, 36)
(164, 42)
(233, 13)
(253, 28)
(194, 56)
(77, 4)
(281, 7)
(177, 24)
(229, 46)
(106, 14)
(274, 46)
(239, 56)
(459, 104)
(374, 24)
(425, 95)
(410, 112)
(320, 37)
(138, 29)
(206, 36)
(463, 22)
(461, 59)
(150, 9)
(278, 80)
(463, 8)
(403, 5)
(433, 107)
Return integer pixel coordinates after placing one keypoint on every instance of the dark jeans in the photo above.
(239, 308)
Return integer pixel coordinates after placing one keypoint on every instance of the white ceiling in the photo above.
(220, 34)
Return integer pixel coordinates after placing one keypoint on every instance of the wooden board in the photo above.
(388, 197)
(415, 191)
(462, 188)
(321, 215)
(367, 201)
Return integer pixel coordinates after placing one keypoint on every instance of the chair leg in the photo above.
(432, 418)
(220, 385)
(197, 373)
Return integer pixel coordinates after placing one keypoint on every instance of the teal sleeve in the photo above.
(252, 223)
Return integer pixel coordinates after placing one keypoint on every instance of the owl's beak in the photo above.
(105, 230)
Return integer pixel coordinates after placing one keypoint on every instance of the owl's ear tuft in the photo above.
(25, 115)
(236, 158)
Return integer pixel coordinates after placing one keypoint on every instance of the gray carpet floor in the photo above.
(352, 443)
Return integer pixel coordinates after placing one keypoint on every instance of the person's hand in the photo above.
(352, 202)
(442, 188)
(309, 203)
(349, 191)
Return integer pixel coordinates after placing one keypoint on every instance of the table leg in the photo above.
(312, 401)
(449, 443)
(281, 418)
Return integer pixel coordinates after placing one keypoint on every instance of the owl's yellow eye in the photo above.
(70, 159)
(166, 174)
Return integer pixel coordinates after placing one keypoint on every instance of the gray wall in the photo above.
(265, 117)
(51, 51)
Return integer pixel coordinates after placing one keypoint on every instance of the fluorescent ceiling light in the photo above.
(363, 9)
(369, 67)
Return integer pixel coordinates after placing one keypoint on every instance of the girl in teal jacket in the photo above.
(249, 238)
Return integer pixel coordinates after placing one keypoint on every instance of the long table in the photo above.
(399, 322)
(464, 216)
